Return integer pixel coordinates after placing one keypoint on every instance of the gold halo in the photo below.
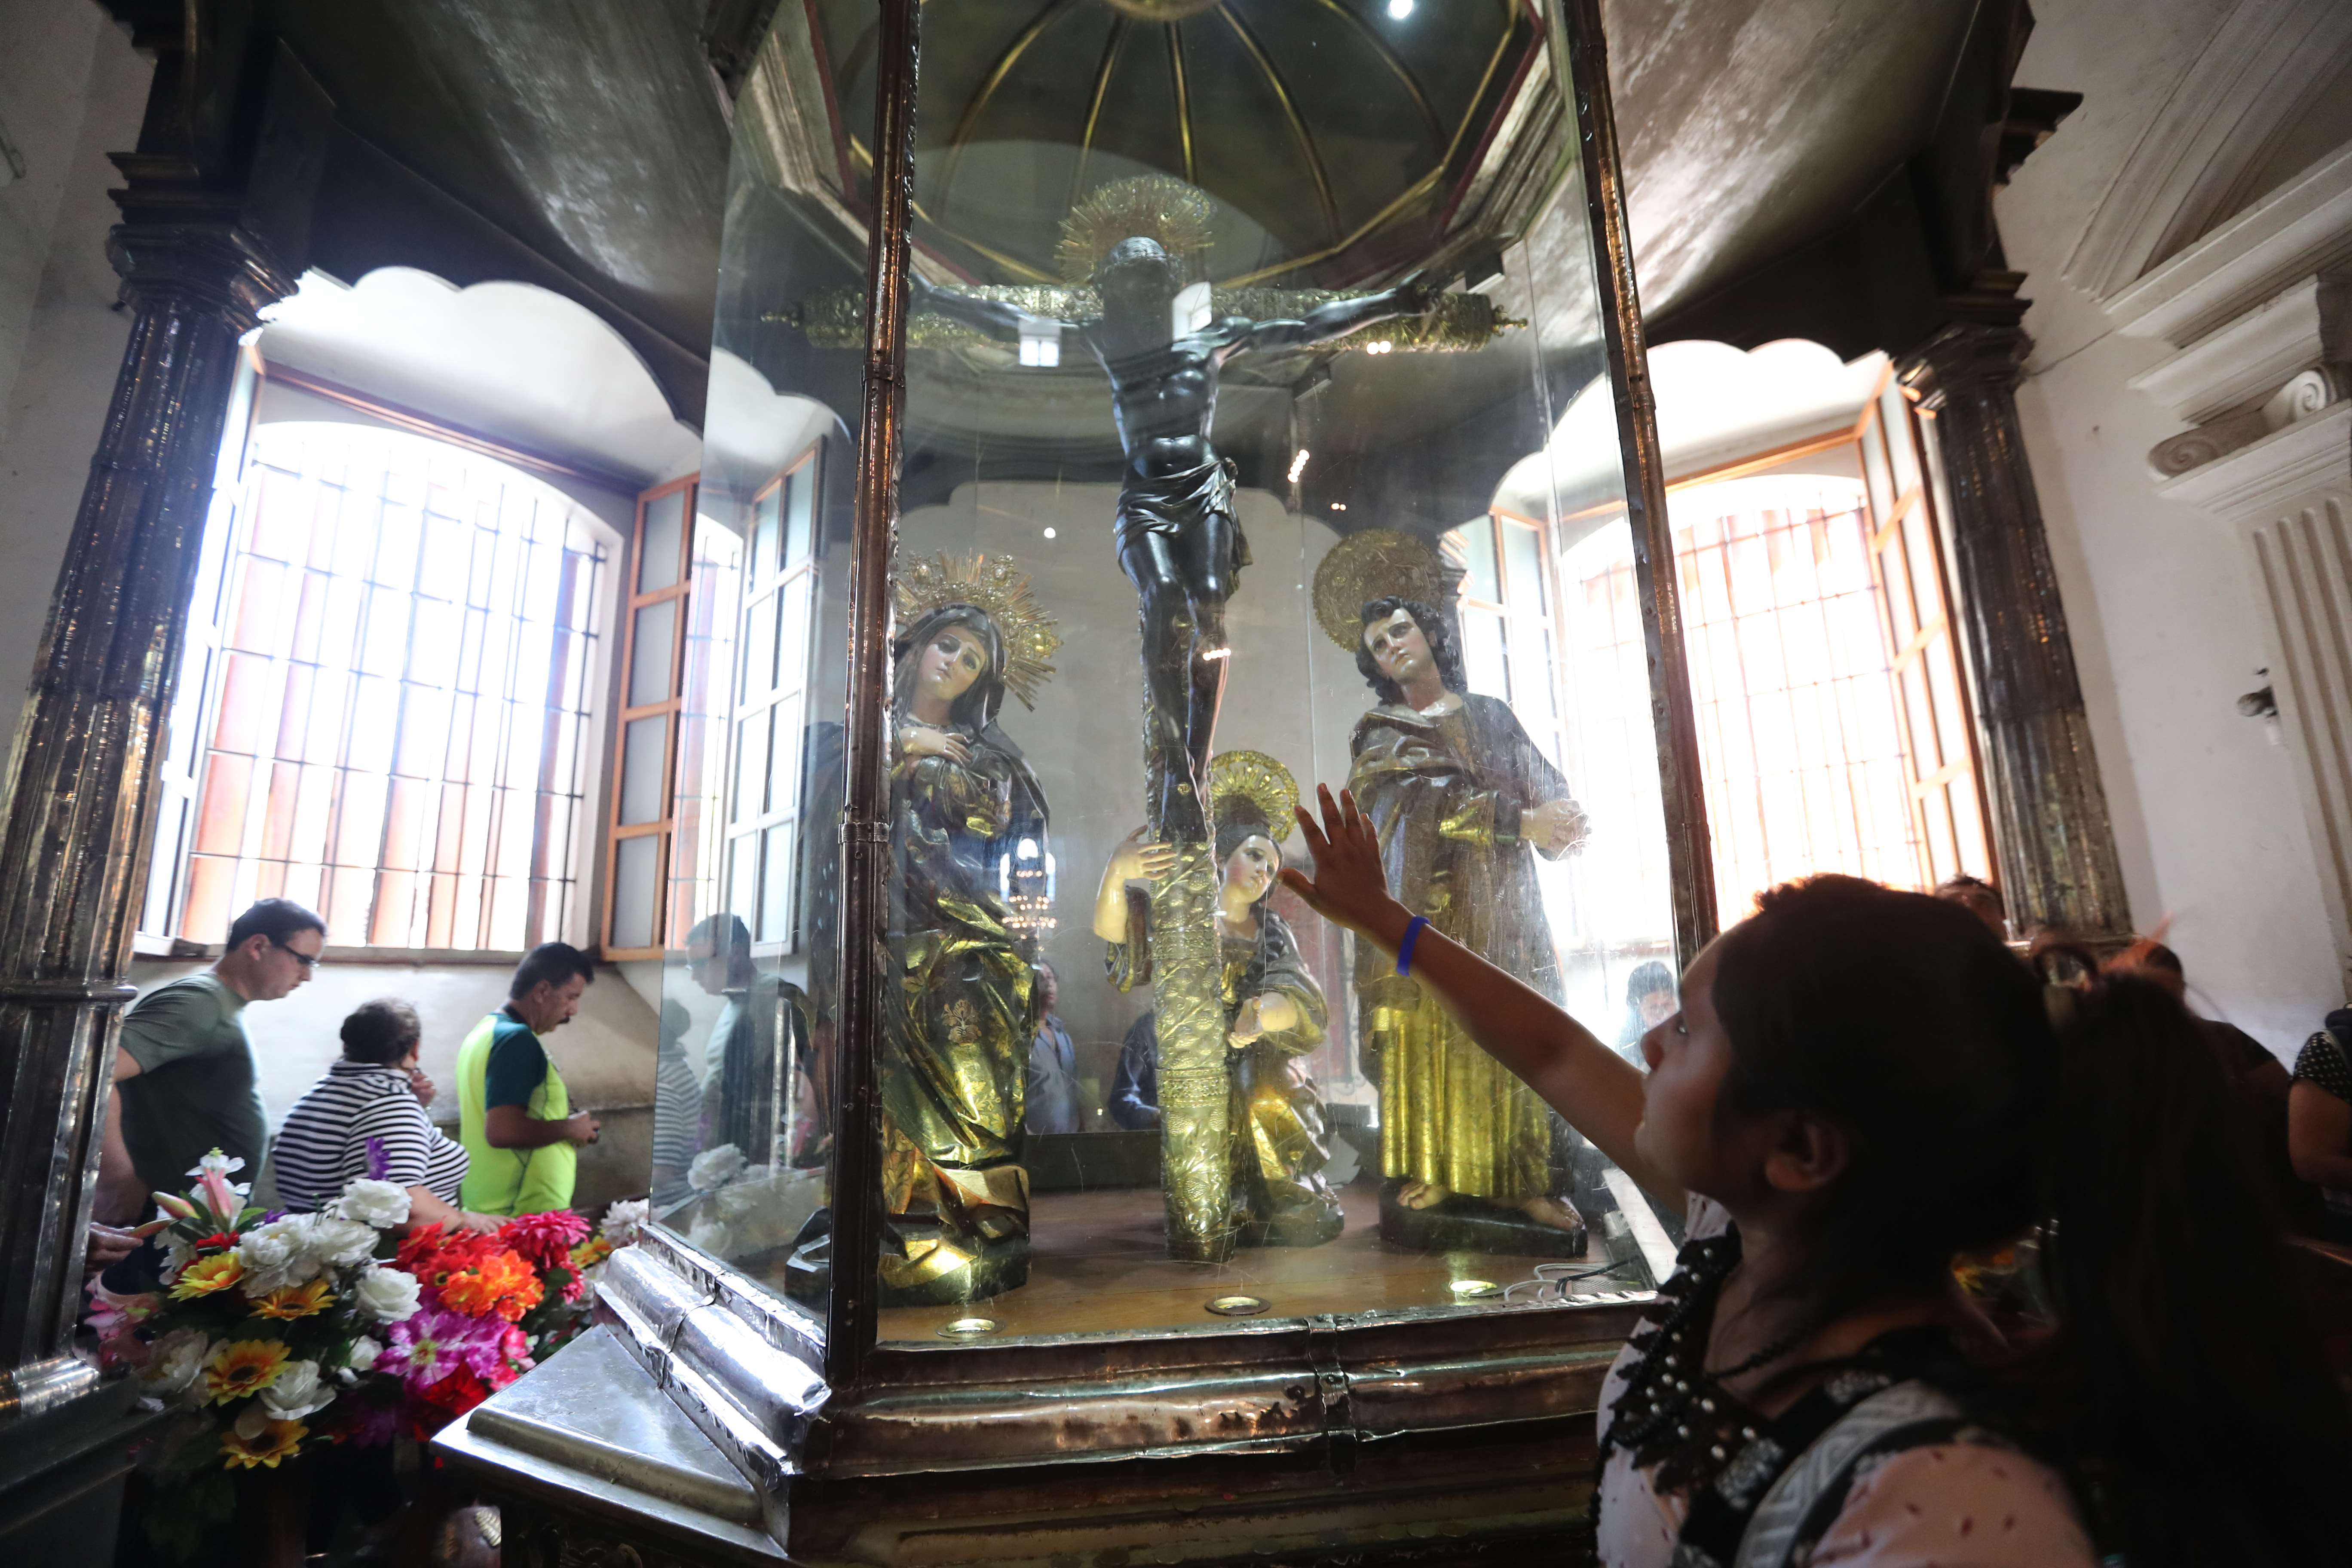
(1376, 563)
(1158, 207)
(1260, 780)
(991, 583)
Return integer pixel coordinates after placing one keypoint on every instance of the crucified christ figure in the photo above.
(1176, 538)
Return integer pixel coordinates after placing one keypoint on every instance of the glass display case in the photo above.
(1125, 417)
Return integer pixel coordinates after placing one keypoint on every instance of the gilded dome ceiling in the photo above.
(1341, 141)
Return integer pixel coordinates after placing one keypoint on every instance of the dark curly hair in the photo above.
(1434, 624)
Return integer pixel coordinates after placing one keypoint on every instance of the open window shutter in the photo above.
(1915, 608)
(646, 740)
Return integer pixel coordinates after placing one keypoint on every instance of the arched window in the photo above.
(384, 713)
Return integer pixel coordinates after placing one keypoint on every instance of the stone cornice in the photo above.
(2311, 453)
(2303, 228)
(2310, 323)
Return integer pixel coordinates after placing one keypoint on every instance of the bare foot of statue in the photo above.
(1554, 1211)
(1422, 1195)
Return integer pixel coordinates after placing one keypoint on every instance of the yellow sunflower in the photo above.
(207, 1275)
(247, 1366)
(276, 1440)
(290, 1301)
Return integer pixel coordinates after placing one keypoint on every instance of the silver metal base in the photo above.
(590, 1437)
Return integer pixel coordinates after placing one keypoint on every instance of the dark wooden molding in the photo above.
(1922, 251)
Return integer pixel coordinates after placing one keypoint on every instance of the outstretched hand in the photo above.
(1348, 888)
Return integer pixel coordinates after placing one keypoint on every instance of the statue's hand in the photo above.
(1137, 861)
(1246, 1025)
(921, 740)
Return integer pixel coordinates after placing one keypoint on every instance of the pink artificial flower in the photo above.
(115, 1318)
(436, 1342)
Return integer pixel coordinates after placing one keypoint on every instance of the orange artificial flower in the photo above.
(247, 1366)
(276, 1440)
(501, 1284)
(206, 1276)
(290, 1301)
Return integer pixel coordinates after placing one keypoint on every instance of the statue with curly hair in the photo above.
(1464, 802)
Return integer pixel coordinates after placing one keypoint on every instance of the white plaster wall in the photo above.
(72, 91)
(2160, 599)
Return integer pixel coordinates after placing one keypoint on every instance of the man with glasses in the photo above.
(185, 1082)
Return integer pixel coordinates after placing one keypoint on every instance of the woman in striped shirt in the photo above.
(376, 1093)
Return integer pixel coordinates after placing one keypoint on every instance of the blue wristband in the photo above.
(1404, 948)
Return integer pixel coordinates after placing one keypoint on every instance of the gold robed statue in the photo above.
(962, 999)
(1276, 1143)
(1463, 802)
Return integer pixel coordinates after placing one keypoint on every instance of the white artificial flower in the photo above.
(297, 1390)
(216, 1160)
(625, 1221)
(364, 1353)
(379, 1204)
(178, 1255)
(338, 1243)
(277, 1255)
(714, 1168)
(251, 1420)
(712, 1237)
(387, 1295)
(174, 1363)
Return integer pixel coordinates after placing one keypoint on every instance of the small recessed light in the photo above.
(1049, 533)
(1338, 506)
(1400, 9)
(1297, 464)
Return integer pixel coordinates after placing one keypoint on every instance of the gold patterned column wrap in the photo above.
(1187, 969)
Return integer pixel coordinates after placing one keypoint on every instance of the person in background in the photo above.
(1052, 1101)
(184, 1081)
(1134, 1101)
(514, 1115)
(677, 1107)
(755, 1064)
(1649, 1001)
(2260, 1078)
(375, 1095)
(1979, 897)
(185, 1084)
(2319, 1122)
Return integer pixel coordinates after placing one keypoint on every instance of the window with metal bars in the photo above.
(386, 705)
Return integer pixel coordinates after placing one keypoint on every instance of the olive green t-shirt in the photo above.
(195, 1089)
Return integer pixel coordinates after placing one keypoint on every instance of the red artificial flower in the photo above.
(434, 1407)
(547, 1240)
(218, 1241)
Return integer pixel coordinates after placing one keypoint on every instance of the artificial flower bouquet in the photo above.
(262, 1323)
(492, 1306)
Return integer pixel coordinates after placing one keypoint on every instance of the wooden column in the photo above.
(79, 802)
(2049, 813)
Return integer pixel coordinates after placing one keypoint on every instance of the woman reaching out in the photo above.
(1861, 1085)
